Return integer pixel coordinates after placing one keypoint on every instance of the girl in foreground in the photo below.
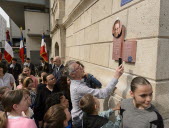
(14, 103)
(57, 116)
(138, 111)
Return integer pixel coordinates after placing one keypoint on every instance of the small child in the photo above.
(28, 84)
(90, 105)
(21, 78)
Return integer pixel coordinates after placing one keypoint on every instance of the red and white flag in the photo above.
(21, 50)
(43, 50)
(8, 52)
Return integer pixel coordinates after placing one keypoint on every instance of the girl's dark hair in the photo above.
(87, 104)
(8, 100)
(26, 82)
(53, 99)
(55, 117)
(62, 86)
(44, 78)
(3, 66)
(138, 81)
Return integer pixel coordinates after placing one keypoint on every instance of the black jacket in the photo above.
(44, 68)
(39, 108)
(51, 69)
(93, 121)
(15, 71)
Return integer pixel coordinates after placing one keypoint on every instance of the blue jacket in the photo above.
(92, 82)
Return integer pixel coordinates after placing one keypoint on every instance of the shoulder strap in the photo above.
(159, 122)
(121, 111)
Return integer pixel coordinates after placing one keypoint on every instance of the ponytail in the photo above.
(3, 119)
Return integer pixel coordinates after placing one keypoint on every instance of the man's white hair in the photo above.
(69, 67)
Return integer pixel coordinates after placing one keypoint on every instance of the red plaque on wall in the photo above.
(117, 49)
(129, 51)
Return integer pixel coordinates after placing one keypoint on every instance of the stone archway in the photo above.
(56, 49)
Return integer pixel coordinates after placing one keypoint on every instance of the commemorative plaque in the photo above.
(129, 51)
(118, 32)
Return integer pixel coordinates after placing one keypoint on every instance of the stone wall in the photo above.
(88, 25)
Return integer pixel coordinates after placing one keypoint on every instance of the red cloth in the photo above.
(21, 51)
(43, 50)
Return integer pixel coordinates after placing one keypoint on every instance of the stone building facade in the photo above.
(82, 30)
(3, 28)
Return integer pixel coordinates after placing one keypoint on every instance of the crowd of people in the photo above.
(65, 96)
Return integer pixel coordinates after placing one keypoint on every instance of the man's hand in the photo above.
(119, 71)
